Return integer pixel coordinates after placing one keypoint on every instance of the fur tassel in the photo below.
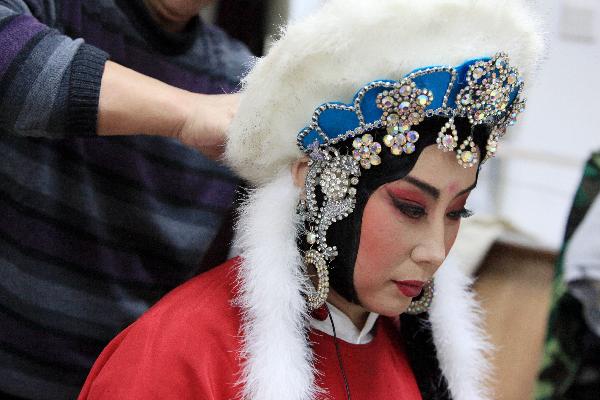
(277, 358)
(460, 340)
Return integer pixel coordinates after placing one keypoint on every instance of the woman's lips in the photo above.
(410, 288)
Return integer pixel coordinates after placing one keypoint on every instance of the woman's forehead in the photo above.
(438, 170)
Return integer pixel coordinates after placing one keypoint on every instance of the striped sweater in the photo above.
(93, 230)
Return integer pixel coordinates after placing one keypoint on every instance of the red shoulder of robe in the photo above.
(187, 347)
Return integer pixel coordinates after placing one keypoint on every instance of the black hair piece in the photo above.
(417, 338)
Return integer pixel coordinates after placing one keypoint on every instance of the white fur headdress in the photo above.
(348, 43)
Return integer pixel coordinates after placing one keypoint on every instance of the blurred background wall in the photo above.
(541, 166)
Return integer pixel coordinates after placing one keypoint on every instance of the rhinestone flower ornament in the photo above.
(488, 90)
(403, 107)
(487, 96)
(366, 151)
(401, 143)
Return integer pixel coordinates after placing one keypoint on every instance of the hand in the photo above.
(206, 123)
(131, 104)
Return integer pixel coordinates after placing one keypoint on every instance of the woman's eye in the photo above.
(410, 210)
(463, 213)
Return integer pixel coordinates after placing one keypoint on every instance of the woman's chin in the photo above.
(391, 308)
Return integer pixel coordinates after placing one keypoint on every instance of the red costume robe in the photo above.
(187, 347)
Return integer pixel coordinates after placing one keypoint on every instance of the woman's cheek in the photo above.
(451, 234)
(380, 244)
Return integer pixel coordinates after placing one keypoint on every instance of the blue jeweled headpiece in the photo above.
(486, 91)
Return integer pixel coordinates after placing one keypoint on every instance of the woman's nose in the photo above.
(430, 249)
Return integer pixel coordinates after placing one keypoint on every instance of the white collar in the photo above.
(344, 327)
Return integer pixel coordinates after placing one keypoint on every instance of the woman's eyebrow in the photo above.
(432, 190)
(426, 187)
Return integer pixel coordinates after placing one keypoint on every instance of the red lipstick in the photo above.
(410, 288)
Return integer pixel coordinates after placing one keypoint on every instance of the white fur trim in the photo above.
(349, 43)
(461, 343)
(278, 360)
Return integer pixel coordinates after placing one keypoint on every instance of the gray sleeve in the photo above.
(49, 83)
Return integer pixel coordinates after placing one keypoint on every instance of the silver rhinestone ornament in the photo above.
(424, 302)
(319, 295)
(403, 107)
(447, 139)
(366, 151)
(486, 99)
(336, 176)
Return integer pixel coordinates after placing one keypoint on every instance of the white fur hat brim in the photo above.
(349, 43)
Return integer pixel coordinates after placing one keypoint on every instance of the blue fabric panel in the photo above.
(369, 108)
(310, 138)
(337, 122)
(438, 83)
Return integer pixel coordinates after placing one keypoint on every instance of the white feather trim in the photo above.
(461, 343)
(348, 43)
(278, 360)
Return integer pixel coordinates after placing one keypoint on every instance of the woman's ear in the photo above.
(299, 171)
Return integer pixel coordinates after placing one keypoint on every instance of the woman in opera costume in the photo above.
(363, 130)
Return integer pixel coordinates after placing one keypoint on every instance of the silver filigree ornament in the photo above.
(403, 107)
(337, 176)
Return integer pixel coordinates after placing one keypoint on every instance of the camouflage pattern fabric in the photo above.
(571, 362)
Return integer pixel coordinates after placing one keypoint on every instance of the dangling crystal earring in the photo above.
(447, 142)
(422, 305)
(467, 158)
(492, 146)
